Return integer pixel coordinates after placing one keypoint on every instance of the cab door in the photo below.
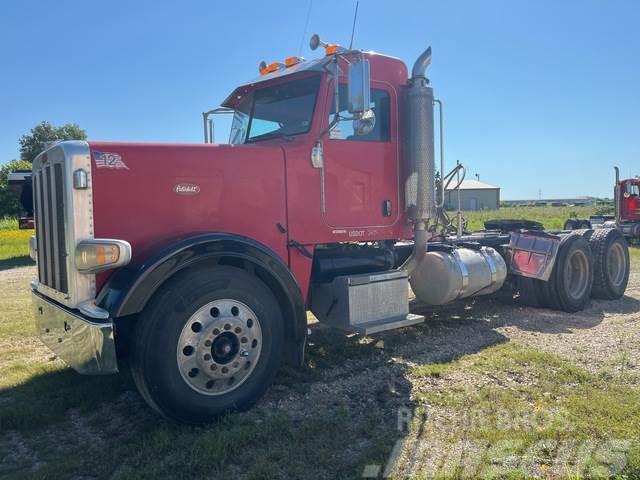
(631, 201)
(361, 173)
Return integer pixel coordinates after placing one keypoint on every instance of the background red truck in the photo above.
(626, 199)
(197, 263)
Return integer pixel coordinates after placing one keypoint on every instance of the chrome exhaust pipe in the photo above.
(420, 188)
(616, 195)
(421, 64)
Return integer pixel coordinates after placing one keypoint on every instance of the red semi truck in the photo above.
(626, 198)
(197, 263)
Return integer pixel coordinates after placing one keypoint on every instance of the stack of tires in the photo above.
(576, 224)
(590, 263)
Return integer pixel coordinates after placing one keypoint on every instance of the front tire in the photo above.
(210, 341)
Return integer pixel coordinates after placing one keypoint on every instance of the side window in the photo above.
(632, 189)
(380, 104)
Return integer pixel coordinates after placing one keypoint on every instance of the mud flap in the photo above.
(532, 254)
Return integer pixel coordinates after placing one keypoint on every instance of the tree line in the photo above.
(31, 144)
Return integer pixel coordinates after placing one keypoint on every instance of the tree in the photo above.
(9, 201)
(35, 141)
(31, 145)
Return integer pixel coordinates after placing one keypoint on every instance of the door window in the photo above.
(343, 130)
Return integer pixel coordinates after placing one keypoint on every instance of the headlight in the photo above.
(97, 255)
(33, 248)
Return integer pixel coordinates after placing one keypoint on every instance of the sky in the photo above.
(541, 97)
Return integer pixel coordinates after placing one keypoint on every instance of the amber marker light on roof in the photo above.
(291, 61)
(331, 49)
(271, 68)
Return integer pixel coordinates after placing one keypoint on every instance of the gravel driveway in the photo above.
(368, 379)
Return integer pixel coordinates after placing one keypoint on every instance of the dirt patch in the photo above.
(603, 338)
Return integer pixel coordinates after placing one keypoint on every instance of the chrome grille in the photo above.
(49, 205)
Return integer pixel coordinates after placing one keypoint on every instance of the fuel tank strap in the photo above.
(463, 270)
(492, 264)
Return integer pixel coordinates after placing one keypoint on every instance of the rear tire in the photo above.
(209, 342)
(571, 281)
(611, 263)
(530, 294)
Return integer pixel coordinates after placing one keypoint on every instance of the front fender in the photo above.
(129, 289)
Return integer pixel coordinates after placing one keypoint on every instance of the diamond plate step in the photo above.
(383, 325)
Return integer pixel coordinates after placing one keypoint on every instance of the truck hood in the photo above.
(153, 195)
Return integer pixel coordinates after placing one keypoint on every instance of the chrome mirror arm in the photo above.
(207, 124)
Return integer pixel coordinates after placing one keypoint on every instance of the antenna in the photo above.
(306, 24)
(353, 28)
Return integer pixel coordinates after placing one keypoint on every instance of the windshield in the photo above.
(276, 111)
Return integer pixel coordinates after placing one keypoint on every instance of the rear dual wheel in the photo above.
(611, 262)
(208, 342)
(569, 286)
(571, 281)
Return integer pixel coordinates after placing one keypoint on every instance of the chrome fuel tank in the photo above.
(444, 276)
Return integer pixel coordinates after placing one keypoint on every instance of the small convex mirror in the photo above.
(365, 124)
(314, 42)
(359, 87)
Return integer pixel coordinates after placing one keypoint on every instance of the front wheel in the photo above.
(209, 342)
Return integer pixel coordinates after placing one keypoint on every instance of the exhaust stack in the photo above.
(616, 195)
(420, 189)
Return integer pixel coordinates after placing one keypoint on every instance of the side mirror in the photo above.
(359, 88)
(314, 42)
(365, 124)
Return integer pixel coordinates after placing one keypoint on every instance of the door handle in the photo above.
(386, 208)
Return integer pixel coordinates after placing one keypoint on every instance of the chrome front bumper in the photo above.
(86, 345)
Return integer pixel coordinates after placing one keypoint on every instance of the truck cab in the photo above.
(356, 193)
(630, 202)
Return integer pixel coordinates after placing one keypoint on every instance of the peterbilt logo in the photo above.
(186, 189)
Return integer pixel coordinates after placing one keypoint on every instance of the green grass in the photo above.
(523, 400)
(552, 218)
(14, 247)
(8, 223)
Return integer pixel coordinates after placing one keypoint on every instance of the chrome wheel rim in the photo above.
(616, 264)
(219, 347)
(577, 274)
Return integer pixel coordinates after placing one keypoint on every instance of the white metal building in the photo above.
(474, 195)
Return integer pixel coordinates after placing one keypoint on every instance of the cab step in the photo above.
(370, 328)
(364, 303)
